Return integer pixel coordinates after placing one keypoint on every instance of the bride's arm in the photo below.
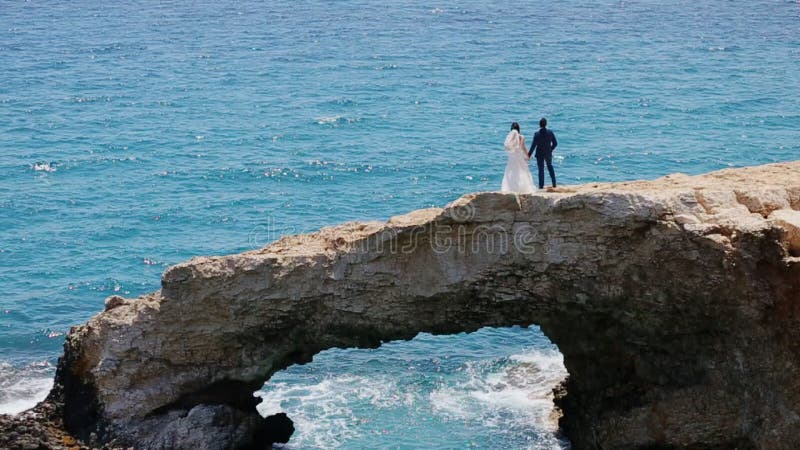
(522, 143)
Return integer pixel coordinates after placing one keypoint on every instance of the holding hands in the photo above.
(524, 147)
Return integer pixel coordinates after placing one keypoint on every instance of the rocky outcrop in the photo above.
(675, 302)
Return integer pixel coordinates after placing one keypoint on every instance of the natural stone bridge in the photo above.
(675, 303)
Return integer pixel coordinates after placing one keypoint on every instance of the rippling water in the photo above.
(133, 136)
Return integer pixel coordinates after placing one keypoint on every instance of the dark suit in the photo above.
(544, 142)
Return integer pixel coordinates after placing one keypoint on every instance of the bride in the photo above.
(518, 176)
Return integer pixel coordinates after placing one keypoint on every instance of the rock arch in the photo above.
(674, 303)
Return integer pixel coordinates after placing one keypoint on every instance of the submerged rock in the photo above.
(675, 302)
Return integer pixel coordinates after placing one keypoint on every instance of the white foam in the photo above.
(43, 167)
(327, 120)
(336, 120)
(322, 412)
(518, 393)
(19, 394)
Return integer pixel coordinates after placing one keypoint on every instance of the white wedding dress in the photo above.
(518, 176)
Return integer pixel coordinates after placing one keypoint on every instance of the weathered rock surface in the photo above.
(675, 302)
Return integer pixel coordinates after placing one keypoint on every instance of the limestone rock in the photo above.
(789, 221)
(114, 301)
(675, 302)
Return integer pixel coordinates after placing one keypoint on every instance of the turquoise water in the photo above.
(134, 136)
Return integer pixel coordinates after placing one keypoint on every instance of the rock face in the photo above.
(675, 302)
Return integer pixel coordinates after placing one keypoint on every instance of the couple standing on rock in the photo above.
(518, 176)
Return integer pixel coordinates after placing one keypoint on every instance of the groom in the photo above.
(544, 142)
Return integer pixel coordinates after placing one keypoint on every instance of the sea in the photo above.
(135, 135)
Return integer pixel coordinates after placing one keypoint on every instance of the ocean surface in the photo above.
(134, 135)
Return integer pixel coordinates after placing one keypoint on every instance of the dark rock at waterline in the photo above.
(277, 428)
(207, 427)
(39, 428)
(204, 427)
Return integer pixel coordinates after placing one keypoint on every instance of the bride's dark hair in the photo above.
(515, 126)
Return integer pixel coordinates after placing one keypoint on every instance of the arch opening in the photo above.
(492, 388)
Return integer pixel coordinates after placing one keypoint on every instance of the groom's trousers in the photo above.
(540, 161)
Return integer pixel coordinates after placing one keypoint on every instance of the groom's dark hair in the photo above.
(515, 126)
(543, 122)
